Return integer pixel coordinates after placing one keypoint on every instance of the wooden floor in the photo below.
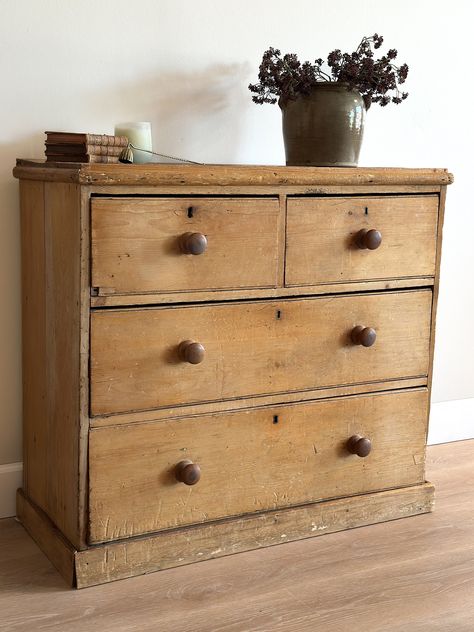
(410, 575)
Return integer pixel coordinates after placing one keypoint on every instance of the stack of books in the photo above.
(72, 147)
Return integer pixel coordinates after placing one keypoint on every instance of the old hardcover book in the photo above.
(82, 149)
(82, 158)
(75, 138)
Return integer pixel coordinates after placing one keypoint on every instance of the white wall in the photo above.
(185, 66)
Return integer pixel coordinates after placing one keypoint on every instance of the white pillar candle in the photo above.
(139, 135)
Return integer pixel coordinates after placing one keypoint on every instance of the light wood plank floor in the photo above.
(410, 575)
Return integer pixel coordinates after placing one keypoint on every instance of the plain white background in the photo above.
(185, 66)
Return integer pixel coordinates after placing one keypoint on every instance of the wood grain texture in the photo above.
(228, 175)
(84, 357)
(321, 238)
(266, 189)
(48, 538)
(207, 408)
(434, 306)
(251, 461)
(136, 244)
(152, 298)
(33, 280)
(253, 348)
(51, 343)
(170, 549)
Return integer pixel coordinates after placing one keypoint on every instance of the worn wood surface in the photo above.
(124, 300)
(136, 247)
(251, 460)
(50, 540)
(263, 189)
(196, 543)
(33, 281)
(434, 305)
(415, 574)
(253, 348)
(228, 175)
(51, 347)
(84, 359)
(184, 546)
(207, 408)
(321, 234)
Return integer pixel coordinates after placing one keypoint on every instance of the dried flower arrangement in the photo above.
(285, 78)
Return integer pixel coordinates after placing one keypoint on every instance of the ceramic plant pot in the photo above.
(325, 128)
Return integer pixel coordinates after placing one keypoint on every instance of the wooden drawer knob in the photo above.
(193, 243)
(192, 352)
(365, 336)
(187, 472)
(359, 445)
(368, 239)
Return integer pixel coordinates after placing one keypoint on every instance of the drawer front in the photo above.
(251, 460)
(139, 361)
(142, 245)
(322, 244)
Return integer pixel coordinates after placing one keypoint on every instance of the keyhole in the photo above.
(191, 211)
(278, 314)
(275, 419)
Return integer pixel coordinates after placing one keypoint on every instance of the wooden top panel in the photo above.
(225, 175)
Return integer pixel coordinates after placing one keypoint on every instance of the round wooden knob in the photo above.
(187, 472)
(368, 239)
(359, 445)
(192, 352)
(193, 243)
(365, 336)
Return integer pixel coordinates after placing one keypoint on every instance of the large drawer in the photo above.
(143, 358)
(144, 245)
(251, 460)
(325, 245)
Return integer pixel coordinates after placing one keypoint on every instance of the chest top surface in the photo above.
(226, 175)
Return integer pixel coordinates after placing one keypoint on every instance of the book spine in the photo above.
(80, 150)
(56, 138)
(103, 159)
(83, 159)
(104, 150)
(105, 139)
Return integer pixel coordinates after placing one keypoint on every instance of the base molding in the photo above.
(11, 475)
(137, 556)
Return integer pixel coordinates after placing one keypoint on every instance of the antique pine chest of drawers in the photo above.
(219, 358)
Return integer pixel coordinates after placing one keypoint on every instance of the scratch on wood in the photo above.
(418, 459)
(315, 527)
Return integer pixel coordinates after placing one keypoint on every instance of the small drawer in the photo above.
(251, 460)
(328, 239)
(165, 356)
(144, 245)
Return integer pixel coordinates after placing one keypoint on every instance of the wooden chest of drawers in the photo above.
(220, 358)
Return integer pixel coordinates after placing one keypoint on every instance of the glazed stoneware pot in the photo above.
(325, 128)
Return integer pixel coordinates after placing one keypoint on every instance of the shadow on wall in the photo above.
(195, 115)
(10, 284)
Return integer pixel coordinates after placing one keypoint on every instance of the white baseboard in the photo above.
(451, 421)
(10, 481)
